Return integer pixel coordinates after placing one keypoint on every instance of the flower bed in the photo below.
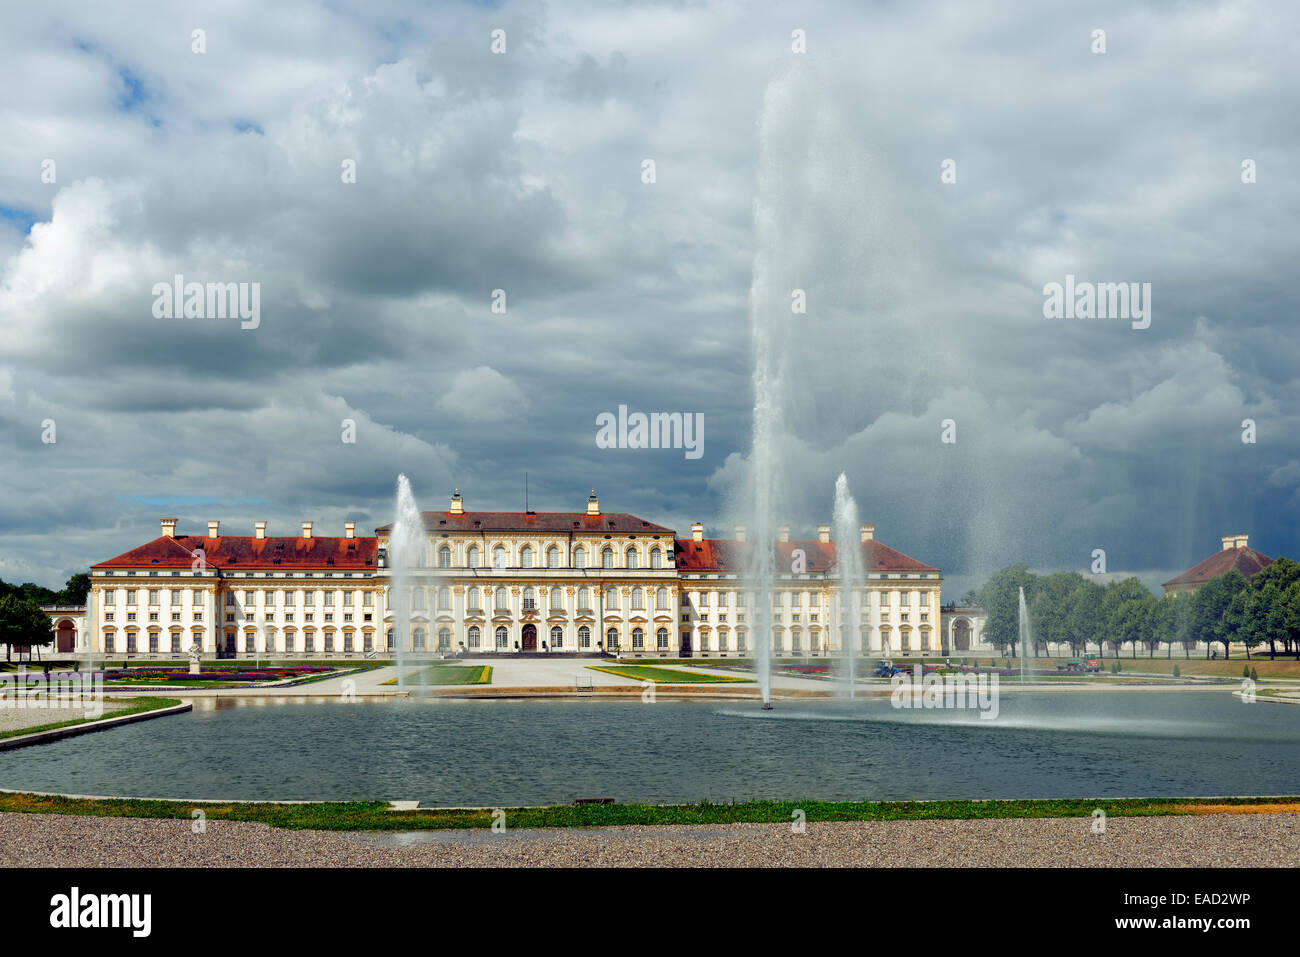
(154, 675)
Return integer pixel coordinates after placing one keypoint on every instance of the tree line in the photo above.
(1070, 609)
(21, 620)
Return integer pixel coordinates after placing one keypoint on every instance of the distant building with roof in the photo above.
(584, 582)
(1235, 553)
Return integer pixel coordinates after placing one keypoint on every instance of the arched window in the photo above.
(553, 557)
(530, 599)
(722, 640)
(661, 599)
(444, 557)
(579, 557)
(607, 558)
(417, 599)
(526, 557)
(611, 597)
(503, 637)
(502, 600)
(444, 639)
(474, 604)
(557, 600)
(584, 599)
(444, 599)
(473, 636)
(471, 557)
(419, 639)
(632, 558)
(661, 639)
(557, 637)
(638, 599)
(584, 637)
(656, 558)
(638, 639)
(391, 637)
(499, 559)
(611, 639)
(740, 641)
(795, 646)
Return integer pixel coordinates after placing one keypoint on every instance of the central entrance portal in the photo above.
(530, 638)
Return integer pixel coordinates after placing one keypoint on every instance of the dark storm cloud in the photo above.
(523, 172)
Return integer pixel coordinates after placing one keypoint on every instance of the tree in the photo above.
(1173, 621)
(1208, 605)
(1268, 617)
(23, 623)
(1290, 601)
(1000, 597)
(75, 591)
(1125, 622)
(1050, 607)
(1083, 624)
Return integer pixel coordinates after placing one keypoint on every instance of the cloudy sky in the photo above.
(524, 171)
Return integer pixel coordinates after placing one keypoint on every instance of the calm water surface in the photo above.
(553, 751)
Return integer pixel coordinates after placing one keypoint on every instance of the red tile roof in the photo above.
(725, 555)
(1245, 560)
(537, 521)
(241, 552)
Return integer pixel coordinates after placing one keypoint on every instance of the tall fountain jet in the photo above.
(848, 561)
(1026, 638)
(780, 238)
(406, 548)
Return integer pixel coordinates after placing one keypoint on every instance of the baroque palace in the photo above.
(586, 582)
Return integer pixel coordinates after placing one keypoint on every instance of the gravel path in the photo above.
(1258, 840)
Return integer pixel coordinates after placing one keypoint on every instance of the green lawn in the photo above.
(667, 675)
(375, 815)
(448, 675)
(134, 706)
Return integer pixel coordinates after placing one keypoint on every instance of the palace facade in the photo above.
(586, 582)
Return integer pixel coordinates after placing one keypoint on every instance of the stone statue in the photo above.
(195, 651)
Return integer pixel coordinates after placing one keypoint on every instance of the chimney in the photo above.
(868, 532)
(824, 534)
(306, 529)
(349, 529)
(593, 504)
(740, 533)
(697, 531)
(457, 504)
(1229, 542)
(259, 529)
(783, 533)
(1240, 540)
(169, 527)
(212, 529)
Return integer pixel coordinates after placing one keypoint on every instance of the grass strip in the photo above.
(375, 815)
(667, 675)
(134, 706)
(448, 675)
